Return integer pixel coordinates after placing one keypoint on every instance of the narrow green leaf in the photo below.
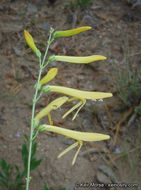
(25, 155)
(2, 176)
(19, 177)
(3, 165)
(35, 163)
(3, 183)
(45, 187)
(26, 137)
(34, 148)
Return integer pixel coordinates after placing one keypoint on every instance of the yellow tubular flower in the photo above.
(72, 32)
(30, 42)
(76, 135)
(51, 106)
(49, 76)
(77, 94)
(72, 59)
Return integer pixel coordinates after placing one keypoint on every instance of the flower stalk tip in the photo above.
(30, 42)
(67, 33)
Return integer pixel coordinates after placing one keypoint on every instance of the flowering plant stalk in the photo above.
(57, 103)
(42, 65)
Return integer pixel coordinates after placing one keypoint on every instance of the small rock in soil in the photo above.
(108, 172)
(102, 178)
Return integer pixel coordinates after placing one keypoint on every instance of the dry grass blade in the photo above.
(132, 150)
(126, 114)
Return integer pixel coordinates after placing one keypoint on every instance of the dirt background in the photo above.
(113, 22)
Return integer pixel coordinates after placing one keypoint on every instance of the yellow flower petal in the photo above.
(72, 59)
(77, 94)
(72, 32)
(79, 105)
(77, 135)
(51, 106)
(80, 94)
(31, 43)
(49, 76)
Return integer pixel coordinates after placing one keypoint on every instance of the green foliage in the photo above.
(128, 84)
(138, 109)
(13, 178)
(132, 156)
(34, 162)
(7, 181)
(129, 88)
(46, 188)
(83, 4)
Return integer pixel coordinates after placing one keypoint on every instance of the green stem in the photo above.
(48, 44)
(32, 129)
(35, 99)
